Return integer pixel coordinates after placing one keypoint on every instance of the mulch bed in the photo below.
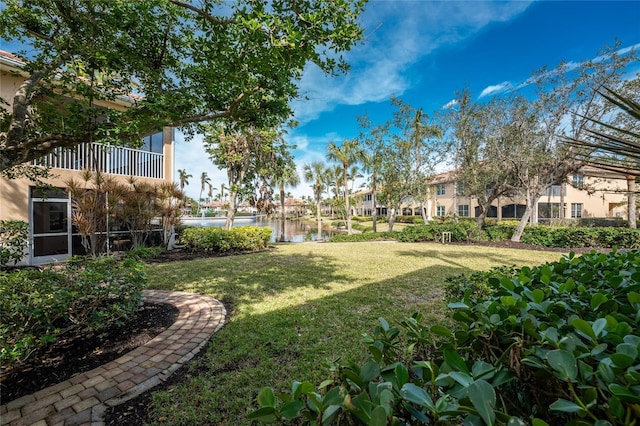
(76, 354)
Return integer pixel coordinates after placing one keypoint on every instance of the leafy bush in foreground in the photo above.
(14, 237)
(554, 344)
(84, 296)
(218, 240)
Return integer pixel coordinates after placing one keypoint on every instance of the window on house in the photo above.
(576, 210)
(440, 211)
(463, 210)
(441, 189)
(578, 181)
(152, 143)
(553, 191)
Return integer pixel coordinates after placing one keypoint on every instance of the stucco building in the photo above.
(48, 212)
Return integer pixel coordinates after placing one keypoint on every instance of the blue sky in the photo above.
(426, 51)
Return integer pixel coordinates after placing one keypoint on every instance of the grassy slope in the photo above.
(303, 304)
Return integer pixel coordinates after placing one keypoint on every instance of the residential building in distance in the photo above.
(591, 193)
(48, 212)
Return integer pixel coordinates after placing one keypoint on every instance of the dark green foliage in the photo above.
(462, 231)
(554, 344)
(142, 252)
(38, 307)
(14, 237)
(572, 236)
(218, 240)
(417, 220)
(366, 236)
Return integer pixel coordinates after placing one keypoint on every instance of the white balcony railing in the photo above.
(106, 158)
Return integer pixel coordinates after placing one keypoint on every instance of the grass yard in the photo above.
(300, 305)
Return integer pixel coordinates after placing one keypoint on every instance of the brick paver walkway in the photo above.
(84, 398)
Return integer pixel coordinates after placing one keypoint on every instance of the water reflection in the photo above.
(295, 231)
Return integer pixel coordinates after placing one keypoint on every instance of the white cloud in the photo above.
(452, 103)
(498, 88)
(397, 35)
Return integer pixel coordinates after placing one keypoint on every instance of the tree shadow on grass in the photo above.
(247, 279)
(294, 343)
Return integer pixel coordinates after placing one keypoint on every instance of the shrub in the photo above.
(553, 344)
(218, 240)
(417, 220)
(367, 236)
(14, 237)
(142, 252)
(461, 231)
(84, 296)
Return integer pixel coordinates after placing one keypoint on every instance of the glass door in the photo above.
(50, 226)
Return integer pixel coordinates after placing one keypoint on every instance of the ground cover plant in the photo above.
(299, 306)
(40, 306)
(553, 344)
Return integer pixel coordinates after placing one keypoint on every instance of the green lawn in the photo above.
(300, 305)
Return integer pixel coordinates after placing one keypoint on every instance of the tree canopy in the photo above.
(167, 62)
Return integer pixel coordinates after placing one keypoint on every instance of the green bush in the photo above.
(461, 231)
(218, 240)
(14, 237)
(499, 232)
(554, 344)
(417, 220)
(367, 236)
(143, 252)
(84, 296)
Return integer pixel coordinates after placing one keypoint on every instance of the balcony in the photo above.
(106, 158)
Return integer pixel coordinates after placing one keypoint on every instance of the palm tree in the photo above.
(210, 193)
(204, 181)
(288, 176)
(313, 174)
(617, 148)
(183, 176)
(347, 154)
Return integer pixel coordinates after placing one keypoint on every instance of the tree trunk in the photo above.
(631, 202)
(346, 202)
(231, 213)
(517, 234)
(392, 218)
(319, 220)
(423, 213)
(282, 215)
(374, 208)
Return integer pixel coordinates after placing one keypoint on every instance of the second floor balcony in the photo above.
(107, 159)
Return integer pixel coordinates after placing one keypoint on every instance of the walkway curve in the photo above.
(83, 399)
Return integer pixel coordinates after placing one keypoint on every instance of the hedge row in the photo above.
(468, 231)
(37, 307)
(553, 344)
(218, 240)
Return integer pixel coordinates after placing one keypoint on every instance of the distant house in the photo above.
(51, 233)
(590, 193)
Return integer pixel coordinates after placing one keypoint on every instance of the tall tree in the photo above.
(346, 154)
(566, 102)
(420, 141)
(314, 174)
(246, 153)
(192, 62)
(204, 181)
(183, 177)
(286, 175)
(483, 147)
(372, 140)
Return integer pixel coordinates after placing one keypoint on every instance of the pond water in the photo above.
(295, 231)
